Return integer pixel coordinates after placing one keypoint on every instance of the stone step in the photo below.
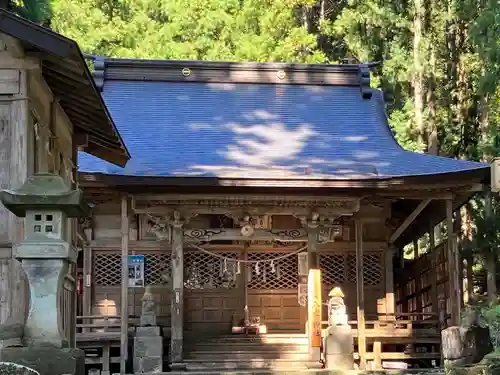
(256, 348)
(244, 364)
(304, 372)
(249, 355)
(302, 339)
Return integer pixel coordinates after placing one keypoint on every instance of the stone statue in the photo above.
(148, 310)
(337, 314)
(148, 340)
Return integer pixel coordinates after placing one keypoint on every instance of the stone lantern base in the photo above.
(47, 360)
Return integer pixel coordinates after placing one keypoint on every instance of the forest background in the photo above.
(440, 68)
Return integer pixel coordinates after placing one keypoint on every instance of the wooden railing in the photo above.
(99, 336)
(401, 336)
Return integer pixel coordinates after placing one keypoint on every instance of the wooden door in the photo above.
(272, 291)
(212, 295)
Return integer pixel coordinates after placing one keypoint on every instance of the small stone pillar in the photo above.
(46, 202)
(338, 341)
(148, 340)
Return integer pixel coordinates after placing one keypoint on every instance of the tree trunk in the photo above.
(418, 74)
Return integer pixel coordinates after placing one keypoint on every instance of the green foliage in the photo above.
(38, 11)
(233, 30)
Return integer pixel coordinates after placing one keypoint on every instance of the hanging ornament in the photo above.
(225, 266)
(264, 273)
(257, 269)
(221, 268)
(278, 272)
(238, 268)
(210, 284)
(273, 269)
(193, 280)
(233, 271)
(248, 271)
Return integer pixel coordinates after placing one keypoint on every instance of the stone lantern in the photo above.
(45, 202)
(338, 337)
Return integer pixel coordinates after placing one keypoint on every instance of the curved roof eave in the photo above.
(445, 180)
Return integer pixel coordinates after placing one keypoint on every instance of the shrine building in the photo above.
(250, 174)
(252, 190)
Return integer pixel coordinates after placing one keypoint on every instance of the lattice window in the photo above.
(372, 268)
(157, 268)
(282, 274)
(203, 271)
(351, 268)
(107, 268)
(333, 268)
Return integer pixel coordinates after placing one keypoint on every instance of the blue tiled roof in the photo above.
(258, 131)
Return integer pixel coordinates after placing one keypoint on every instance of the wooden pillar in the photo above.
(16, 165)
(453, 274)
(389, 283)
(177, 304)
(87, 284)
(360, 295)
(124, 286)
(490, 261)
(434, 259)
(312, 248)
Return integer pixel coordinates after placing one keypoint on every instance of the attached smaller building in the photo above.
(49, 108)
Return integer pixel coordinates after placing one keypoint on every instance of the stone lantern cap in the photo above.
(45, 191)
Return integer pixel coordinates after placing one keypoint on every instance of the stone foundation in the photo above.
(47, 360)
(339, 347)
(148, 350)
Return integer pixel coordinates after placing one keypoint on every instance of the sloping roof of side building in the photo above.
(256, 121)
(66, 73)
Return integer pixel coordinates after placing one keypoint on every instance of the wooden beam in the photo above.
(252, 210)
(360, 295)
(322, 234)
(411, 217)
(124, 286)
(389, 282)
